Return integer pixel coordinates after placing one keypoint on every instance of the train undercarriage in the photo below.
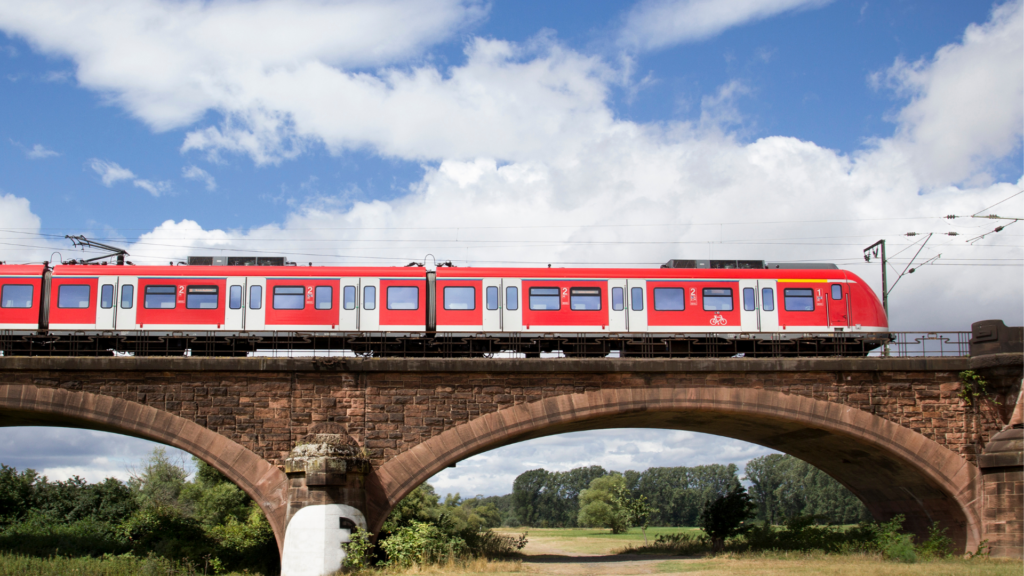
(438, 345)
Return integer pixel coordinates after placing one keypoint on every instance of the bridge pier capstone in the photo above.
(326, 502)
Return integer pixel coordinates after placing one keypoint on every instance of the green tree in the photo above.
(636, 509)
(599, 506)
(725, 517)
(159, 483)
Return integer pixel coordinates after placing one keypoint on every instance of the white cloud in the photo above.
(168, 62)
(654, 24)
(965, 103)
(110, 172)
(156, 189)
(197, 173)
(39, 151)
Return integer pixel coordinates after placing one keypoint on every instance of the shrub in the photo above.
(938, 545)
(725, 516)
(358, 550)
(680, 543)
(422, 543)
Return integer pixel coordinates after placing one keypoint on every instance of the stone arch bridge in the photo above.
(326, 444)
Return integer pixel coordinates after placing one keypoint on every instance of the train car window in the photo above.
(492, 297)
(544, 299)
(669, 299)
(459, 298)
(127, 296)
(748, 300)
(16, 296)
(767, 300)
(718, 299)
(255, 297)
(289, 297)
(202, 298)
(799, 299)
(584, 298)
(107, 296)
(403, 298)
(349, 297)
(73, 296)
(617, 298)
(512, 298)
(159, 297)
(636, 299)
(324, 297)
(235, 297)
(837, 292)
(369, 297)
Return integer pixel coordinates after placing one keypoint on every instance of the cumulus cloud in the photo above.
(168, 62)
(197, 173)
(654, 24)
(965, 102)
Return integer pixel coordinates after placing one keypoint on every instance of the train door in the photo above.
(369, 312)
(127, 302)
(768, 317)
(617, 305)
(348, 317)
(492, 305)
(838, 304)
(106, 312)
(256, 303)
(748, 306)
(234, 312)
(636, 313)
(512, 311)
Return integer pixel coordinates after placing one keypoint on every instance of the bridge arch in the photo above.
(892, 469)
(28, 405)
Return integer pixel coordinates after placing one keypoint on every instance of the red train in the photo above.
(682, 308)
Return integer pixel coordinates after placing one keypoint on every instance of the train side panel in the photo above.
(21, 294)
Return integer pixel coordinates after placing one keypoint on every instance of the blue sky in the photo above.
(522, 132)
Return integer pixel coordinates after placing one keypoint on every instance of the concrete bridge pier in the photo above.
(326, 501)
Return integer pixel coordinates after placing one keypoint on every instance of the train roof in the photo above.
(229, 271)
(21, 269)
(646, 273)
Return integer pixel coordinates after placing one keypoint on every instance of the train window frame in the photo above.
(369, 297)
(618, 299)
(704, 296)
(317, 300)
(235, 297)
(348, 297)
(127, 296)
(749, 299)
(636, 299)
(107, 296)
(415, 301)
(453, 300)
(767, 299)
(72, 287)
(492, 297)
(291, 287)
(512, 298)
(663, 290)
(256, 297)
(151, 291)
(200, 291)
(786, 299)
(536, 293)
(14, 298)
(588, 292)
(836, 287)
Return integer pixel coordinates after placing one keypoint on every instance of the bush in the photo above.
(726, 516)
(938, 545)
(37, 535)
(358, 550)
(422, 543)
(680, 543)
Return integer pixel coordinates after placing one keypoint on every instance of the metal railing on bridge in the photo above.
(496, 345)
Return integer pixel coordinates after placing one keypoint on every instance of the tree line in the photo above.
(203, 520)
(780, 486)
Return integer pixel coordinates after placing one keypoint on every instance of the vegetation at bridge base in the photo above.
(205, 523)
(423, 529)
